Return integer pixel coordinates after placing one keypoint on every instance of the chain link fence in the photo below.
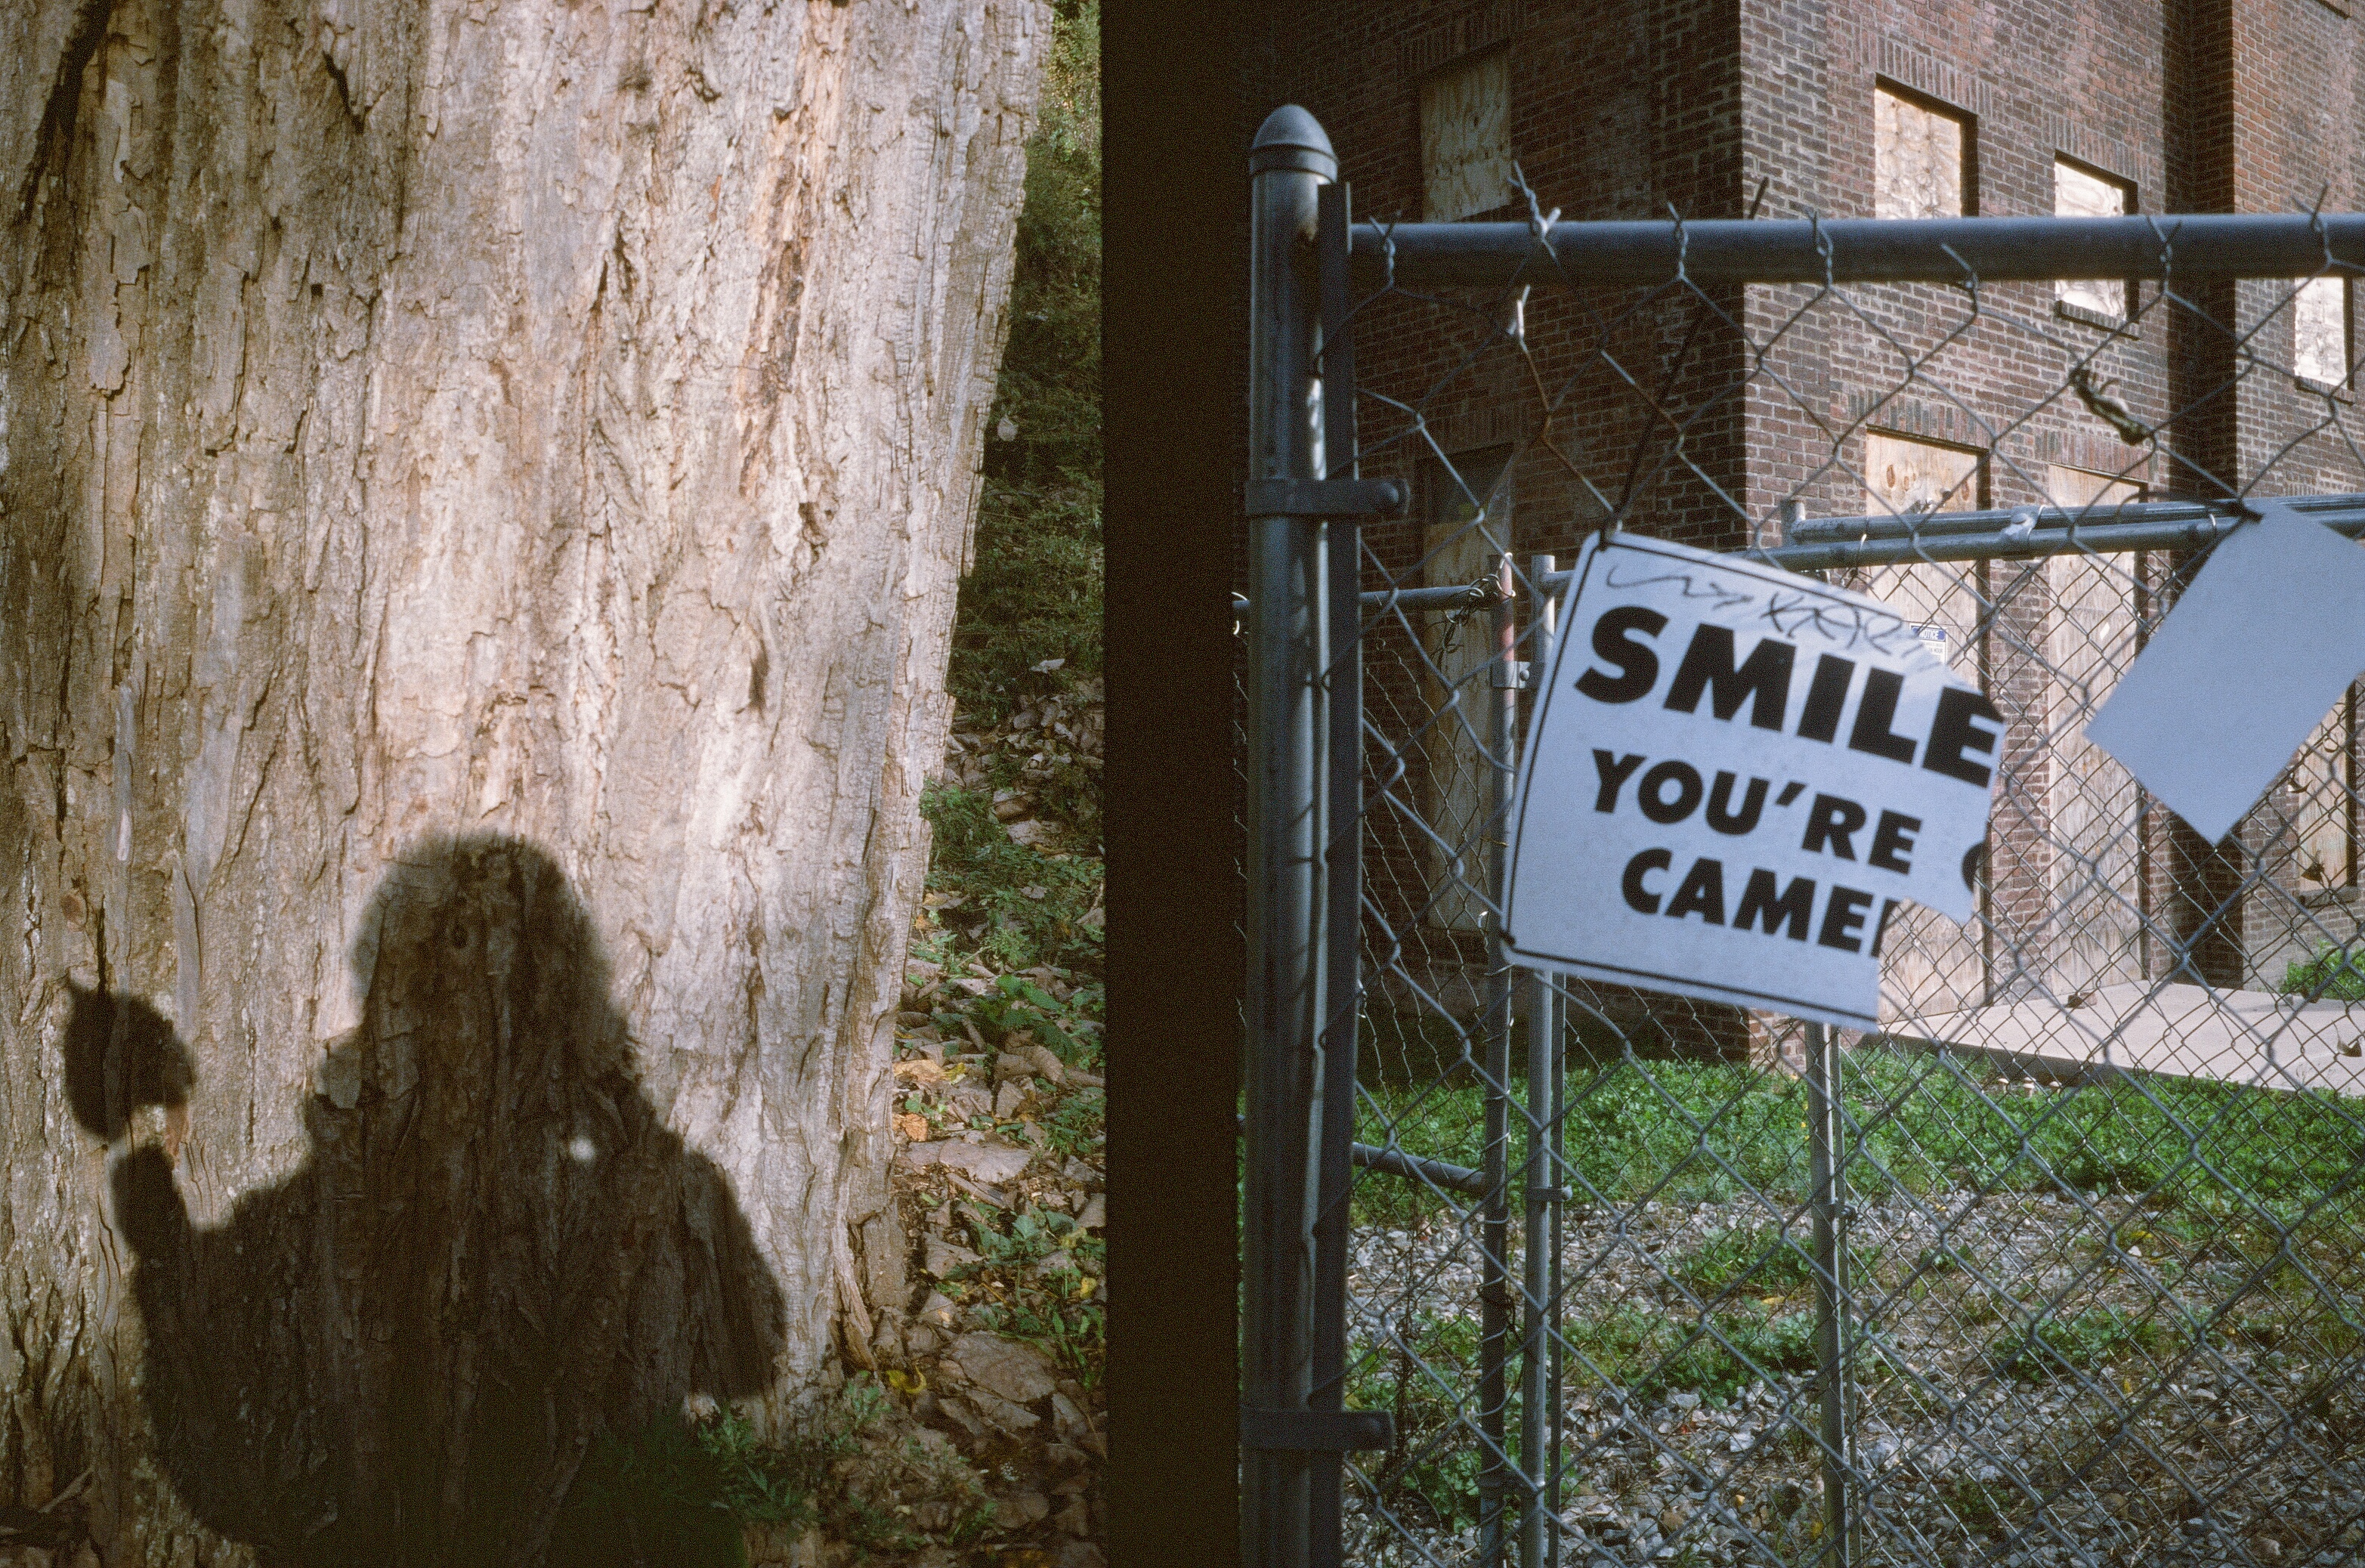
(2058, 1266)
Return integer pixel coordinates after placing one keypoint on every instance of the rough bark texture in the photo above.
(483, 485)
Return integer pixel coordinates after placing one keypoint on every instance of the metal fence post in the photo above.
(1342, 999)
(1540, 1406)
(1831, 1286)
(1288, 742)
(1500, 732)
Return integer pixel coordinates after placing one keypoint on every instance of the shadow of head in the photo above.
(480, 978)
(494, 1254)
(120, 1056)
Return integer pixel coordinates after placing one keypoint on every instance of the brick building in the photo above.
(1910, 397)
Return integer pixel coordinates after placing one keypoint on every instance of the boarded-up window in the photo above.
(2081, 193)
(1917, 158)
(2093, 852)
(2078, 490)
(2320, 801)
(1465, 138)
(1906, 477)
(1929, 965)
(1465, 534)
(2320, 332)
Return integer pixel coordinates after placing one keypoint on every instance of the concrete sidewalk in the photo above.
(2178, 1031)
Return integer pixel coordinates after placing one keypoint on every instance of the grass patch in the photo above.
(1427, 1379)
(2057, 1347)
(1018, 906)
(1709, 1132)
(1649, 1354)
(1752, 1259)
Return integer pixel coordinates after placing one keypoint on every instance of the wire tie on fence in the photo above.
(1538, 224)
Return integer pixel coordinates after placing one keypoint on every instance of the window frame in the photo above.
(2075, 310)
(1468, 60)
(1968, 121)
(2346, 386)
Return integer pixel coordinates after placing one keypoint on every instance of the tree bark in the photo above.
(484, 484)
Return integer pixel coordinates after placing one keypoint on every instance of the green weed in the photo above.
(1427, 1378)
(1036, 1279)
(993, 875)
(2335, 974)
(2057, 1347)
(676, 1492)
(1649, 1354)
(1752, 1259)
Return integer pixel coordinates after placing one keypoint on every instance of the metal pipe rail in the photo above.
(2192, 247)
(1826, 544)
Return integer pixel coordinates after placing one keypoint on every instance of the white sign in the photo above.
(1734, 776)
(2254, 654)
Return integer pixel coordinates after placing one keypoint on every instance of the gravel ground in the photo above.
(2132, 1450)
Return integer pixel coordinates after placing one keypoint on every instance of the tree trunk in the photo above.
(484, 487)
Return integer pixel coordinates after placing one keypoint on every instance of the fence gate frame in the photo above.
(1303, 504)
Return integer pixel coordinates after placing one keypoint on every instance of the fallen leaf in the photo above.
(921, 1069)
(906, 1382)
(912, 1126)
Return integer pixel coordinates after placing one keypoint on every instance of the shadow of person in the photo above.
(494, 1254)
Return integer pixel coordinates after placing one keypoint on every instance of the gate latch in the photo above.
(1314, 1431)
(1324, 497)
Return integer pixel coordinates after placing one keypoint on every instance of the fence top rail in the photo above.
(1826, 544)
(2189, 247)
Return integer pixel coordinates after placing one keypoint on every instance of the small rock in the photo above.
(1069, 1417)
(2266, 1548)
(1009, 1417)
(1006, 1101)
(961, 1413)
(1076, 1518)
(1016, 1371)
(1010, 1065)
(1020, 1510)
(943, 1257)
(988, 1159)
(939, 1312)
(1082, 1555)
(1096, 1214)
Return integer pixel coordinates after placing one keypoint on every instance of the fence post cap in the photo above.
(1292, 138)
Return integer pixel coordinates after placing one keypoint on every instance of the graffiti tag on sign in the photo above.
(1733, 779)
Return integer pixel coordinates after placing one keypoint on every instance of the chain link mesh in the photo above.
(2082, 1283)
